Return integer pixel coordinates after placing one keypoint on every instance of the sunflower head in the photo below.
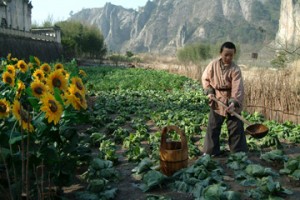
(37, 61)
(52, 108)
(20, 113)
(38, 88)
(22, 66)
(58, 66)
(11, 69)
(76, 98)
(78, 83)
(82, 73)
(65, 73)
(38, 74)
(4, 108)
(57, 80)
(21, 87)
(16, 109)
(8, 78)
(15, 60)
(30, 65)
(27, 126)
(8, 56)
(46, 68)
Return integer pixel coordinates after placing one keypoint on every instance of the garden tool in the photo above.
(257, 131)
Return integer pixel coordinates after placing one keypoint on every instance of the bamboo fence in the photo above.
(273, 93)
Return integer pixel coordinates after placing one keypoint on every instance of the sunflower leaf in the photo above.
(58, 97)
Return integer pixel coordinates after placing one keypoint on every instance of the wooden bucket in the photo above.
(173, 155)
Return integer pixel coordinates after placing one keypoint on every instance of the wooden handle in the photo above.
(178, 131)
(233, 113)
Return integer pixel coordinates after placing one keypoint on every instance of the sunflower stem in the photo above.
(27, 166)
(23, 162)
(7, 175)
(11, 152)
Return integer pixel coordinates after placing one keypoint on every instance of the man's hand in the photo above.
(230, 108)
(210, 97)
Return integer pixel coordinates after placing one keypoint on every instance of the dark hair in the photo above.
(228, 45)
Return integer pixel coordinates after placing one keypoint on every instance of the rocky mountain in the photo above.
(288, 34)
(162, 26)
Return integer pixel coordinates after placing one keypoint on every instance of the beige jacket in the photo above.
(227, 84)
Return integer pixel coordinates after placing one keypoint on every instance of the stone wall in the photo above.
(22, 48)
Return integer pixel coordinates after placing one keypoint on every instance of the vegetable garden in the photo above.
(94, 133)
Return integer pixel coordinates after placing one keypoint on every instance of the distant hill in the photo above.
(162, 26)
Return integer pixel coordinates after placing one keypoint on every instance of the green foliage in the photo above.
(129, 54)
(238, 161)
(274, 155)
(80, 40)
(99, 176)
(194, 53)
(280, 61)
(119, 58)
(92, 42)
(292, 168)
(51, 144)
(152, 179)
(267, 188)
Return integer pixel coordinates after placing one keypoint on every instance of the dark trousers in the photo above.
(236, 135)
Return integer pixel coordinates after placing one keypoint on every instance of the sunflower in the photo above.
(4, 108)
(8, 56)
(82, 73)
(11, 69)
(38, 88)
(65, 73)
(27, 126)
(16, 110)
(30, 65)
(58, 66)
(38, 74)
(76, 98)
(79, 85)
(21, 87)
(57, 80)
(8, 78)
(52, 108)
(37, 61)
(22, 116)
(22, 66)
(46, 68)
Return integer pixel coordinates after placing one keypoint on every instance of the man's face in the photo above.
(227, 56)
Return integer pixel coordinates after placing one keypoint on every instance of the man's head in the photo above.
(227, 52)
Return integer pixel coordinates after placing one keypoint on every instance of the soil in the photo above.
(128, 190)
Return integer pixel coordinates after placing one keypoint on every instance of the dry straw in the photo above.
(273, 92)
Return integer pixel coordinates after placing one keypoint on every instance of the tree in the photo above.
(194, 53)
(80, 40)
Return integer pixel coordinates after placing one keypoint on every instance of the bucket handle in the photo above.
(166, 129)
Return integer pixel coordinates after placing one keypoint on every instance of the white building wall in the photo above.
(17, 14)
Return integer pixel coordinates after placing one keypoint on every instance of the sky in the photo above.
(58, 10)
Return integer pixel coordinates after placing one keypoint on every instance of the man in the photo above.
(223, 80)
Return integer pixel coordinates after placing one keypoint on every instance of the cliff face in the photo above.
(162, 26)
(288, 34)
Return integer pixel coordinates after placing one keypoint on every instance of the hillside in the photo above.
(162, 26)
